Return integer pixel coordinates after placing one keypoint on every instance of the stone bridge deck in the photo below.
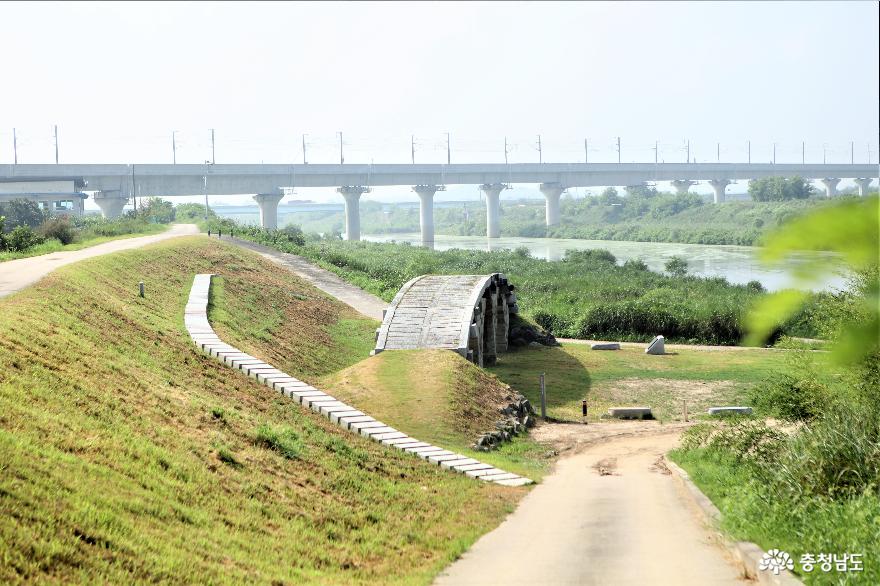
(466, 313)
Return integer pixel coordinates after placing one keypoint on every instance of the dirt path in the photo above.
(610, 514)
(366, 303)
(17, 274)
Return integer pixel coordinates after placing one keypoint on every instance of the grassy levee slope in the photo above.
(438, 397)
(126, 455)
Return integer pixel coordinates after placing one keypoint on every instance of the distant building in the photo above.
(55, 195)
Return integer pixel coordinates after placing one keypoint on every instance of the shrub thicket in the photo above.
(21, 238)
(60, 228)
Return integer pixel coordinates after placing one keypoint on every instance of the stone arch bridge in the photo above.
(466, 313)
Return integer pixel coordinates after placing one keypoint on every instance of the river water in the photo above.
(738, 264)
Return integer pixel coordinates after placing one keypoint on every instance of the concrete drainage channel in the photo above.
(346, 416)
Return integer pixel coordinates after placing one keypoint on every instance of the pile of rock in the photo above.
(519, 416)
(522, 334)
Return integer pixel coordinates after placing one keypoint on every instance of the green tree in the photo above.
(190, 212)
(157, 211)
(645, 191)
(676, 266)
(22, 212)
(609, 197)
(780, 189)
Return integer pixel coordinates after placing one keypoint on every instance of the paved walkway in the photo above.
(608, 515)
(366, 303)
(17, 274)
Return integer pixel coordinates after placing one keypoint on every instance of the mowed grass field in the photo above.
(630, 378)
(126, 455)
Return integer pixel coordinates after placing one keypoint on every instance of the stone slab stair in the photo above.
(346, 416)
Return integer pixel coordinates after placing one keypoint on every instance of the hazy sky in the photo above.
(118, 78)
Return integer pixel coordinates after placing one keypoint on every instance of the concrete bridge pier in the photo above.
(830, 186)
(268, 203)
(719, 185)
(552, 193)
(682, 185)
(426, 211)
(111, 203)
(352, 195)
(493, 208)
(864, 184)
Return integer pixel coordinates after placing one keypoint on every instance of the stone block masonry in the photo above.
(345, 416)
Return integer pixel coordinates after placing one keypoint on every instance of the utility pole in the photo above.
(174, 146)
(213, 157)
(586, 151)
(505, 150)
(803, 152)
(448, 151)
(774, 153)
(824, 147)
(305, 162)
(655, 152)
(56, 144)
(341, 157)
(540, 154)
(412, 143)
(618, 150)
(15, 147)
(717, 152)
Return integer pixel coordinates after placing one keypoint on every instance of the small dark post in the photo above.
(141, 288)
(584, 410)
(209, 232)
(219, 233)
(543, 399)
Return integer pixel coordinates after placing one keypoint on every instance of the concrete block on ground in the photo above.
(630, 412)
(350, 419)
(469, 467)
(328, 411)
(609, 346)
(369, 431)
(513, 481)
(301, 395)
(418, 449)
(436, 459)
(365, 425)
(316, 405)
(437, 452)
(460, 462)
(730, 411)
(336, 416)
(484, 472)
(657, 346)
(413, 444)
(386, 436)
(393, 442)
